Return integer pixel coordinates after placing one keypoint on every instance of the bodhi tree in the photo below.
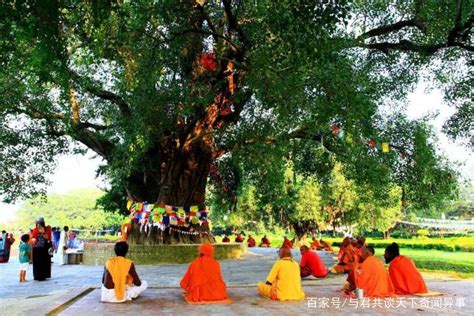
(161, 90)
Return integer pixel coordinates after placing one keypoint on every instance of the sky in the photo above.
(75, 171)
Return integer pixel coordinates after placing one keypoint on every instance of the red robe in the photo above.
(265, 242)
(312, 260)
(226, 239)
(405, 277)
(374, 279)
(287, 244)
(251, 242)
(315, 245)
(203, 281)
(239, 239)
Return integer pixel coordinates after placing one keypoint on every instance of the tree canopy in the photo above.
(168, 92)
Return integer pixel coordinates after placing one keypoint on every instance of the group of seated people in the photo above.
(250, 241)
(203, 281)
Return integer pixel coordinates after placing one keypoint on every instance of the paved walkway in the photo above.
(164, 293)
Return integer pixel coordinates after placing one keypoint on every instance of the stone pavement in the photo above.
(164, 293)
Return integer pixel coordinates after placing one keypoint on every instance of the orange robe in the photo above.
(287, 244)
(315, 245)
(203, 281)
(348, 259)
(405, 277)
(374, 279)
(326, 246)
(251, 242)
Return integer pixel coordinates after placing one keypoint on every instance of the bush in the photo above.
(423, 233)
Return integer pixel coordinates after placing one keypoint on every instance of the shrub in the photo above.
(423, 233)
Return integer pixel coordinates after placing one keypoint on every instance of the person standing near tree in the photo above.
(24, 256)
(8, 241)
(62, 246)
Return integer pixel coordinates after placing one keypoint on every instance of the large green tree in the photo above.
(160, 90)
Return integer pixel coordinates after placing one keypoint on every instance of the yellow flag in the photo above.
(385, 147)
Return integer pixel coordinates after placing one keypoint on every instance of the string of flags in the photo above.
(155, 214)
(337, 131)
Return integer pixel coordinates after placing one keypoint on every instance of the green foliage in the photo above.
(124, 79)
(76, 209)
(423, 233)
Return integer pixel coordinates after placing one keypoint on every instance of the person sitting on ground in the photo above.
(347, 258)
(287, 243)
(372, 277)
(311, 264)
(360, 243)
(226, 239)
(239, 238)
(203, 281)
(283, 281)
(265, 242)
(325, 245)
(120, 281)
(403, 273)
(251, 242)
(315, 244)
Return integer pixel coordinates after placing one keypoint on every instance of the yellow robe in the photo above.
(119, 268)
(286, 280)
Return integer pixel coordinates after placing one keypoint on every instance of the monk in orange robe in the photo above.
(315, 245)
(325, 245)
(265, 242)
(372, 277)
(287, 243)
(360, 243)
(203, 281)
(251, 242)
(403, 273)
(347, 258)
(125, 230)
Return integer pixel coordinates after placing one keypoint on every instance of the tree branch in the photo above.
(385, 29)
(102, 94)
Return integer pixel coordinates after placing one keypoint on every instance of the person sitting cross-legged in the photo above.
(203, 281)
(265, 242)
(120, 281)
(372, 276)
(405, 276)
(284, 281)
(251, 242)
(311, 264)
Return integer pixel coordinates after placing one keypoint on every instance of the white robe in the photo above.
(131, 292)
(61, 252)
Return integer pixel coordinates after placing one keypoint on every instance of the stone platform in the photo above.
(320, 299)
(98, 253)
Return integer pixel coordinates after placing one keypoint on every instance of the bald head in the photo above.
(285, 252)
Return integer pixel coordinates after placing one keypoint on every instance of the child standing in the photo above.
(24, 255)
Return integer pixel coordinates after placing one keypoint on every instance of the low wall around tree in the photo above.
(98, 253)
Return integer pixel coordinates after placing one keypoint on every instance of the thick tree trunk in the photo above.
(180, 181)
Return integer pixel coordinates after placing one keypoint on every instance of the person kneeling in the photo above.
(284, 281)
(203, 281)
(120, 281)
